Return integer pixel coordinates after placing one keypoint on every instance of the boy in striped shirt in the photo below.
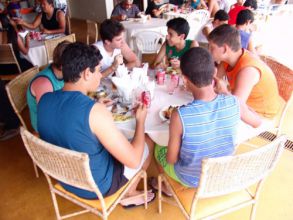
(204, 128)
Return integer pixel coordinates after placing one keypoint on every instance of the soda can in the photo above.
(160, 77)
(175, 79)
(39, 36)
(175, 8)
(146, 98)
(35, 34)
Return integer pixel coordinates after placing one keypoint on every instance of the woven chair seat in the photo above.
(206, 206)
(95, 203)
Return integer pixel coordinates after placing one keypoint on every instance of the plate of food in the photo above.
(165, 112)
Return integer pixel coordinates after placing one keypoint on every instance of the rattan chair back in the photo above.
(224, 175)
(16, 91)
(72, 168)
(92, 32)
(8, 57)
(230, 174)
(51, 44)
(62, 164)
(283, 74)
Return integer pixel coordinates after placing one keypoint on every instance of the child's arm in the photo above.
(175, 134)
(23, 46)
(202, 5)
(160, 56)
(248, 115)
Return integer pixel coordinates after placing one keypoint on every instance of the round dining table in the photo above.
(156, 127)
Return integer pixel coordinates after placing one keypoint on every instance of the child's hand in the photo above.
(220, 86)
(175, 63)
(140, 113)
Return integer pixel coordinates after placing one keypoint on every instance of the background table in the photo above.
(37, 53)
(158, 131)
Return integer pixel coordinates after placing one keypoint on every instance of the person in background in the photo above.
(13, 9)
(2, 8)
(224, 5)
(250, 79)
(210, 118)
(198, 4)
(244, 19)
(221, 17)
(9, 122)
(156, 8)
(236, 8)
(175, 45)
(210, 5)
(176, 2)
(114, 49)
(113, 159)
(20, 44)
(125, 9)
(50, 21)
(48, 80)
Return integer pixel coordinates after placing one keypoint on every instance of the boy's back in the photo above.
(209, 130)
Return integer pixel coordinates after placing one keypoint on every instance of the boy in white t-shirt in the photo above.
(113, 48)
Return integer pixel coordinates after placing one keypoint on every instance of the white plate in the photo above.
(162, 114)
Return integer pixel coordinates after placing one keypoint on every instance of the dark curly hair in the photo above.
(198, 66)
(110, 29)
(76, 58)
(179, 25)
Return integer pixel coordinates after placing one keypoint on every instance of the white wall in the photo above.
(96, 10)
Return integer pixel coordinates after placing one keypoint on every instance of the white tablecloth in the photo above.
(133, 26)
(37, 53)
(158, 131)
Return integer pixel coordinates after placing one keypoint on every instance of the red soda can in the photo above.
(35, 35)
(175, 8)
(39, 36)
(146, 98)
(160, 77)
(175, 79)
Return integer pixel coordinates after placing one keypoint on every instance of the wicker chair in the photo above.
(73, 168)
(284, 77)
(226, 183)
(51, 44)
(92, 32)
(16, 91)
(8, 57)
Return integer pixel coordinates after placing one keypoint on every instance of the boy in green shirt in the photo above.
(175, 45)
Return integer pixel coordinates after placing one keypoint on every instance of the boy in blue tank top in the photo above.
(70, 119)
(204, 128)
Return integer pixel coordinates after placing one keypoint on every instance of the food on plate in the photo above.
(167, 113)
(120, 117)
